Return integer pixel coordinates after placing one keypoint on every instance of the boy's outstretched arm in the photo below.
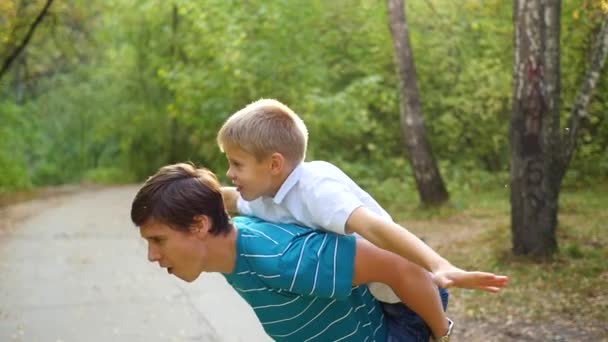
(230, 196)
(395, 238)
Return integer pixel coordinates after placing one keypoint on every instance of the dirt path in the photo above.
(74, 269)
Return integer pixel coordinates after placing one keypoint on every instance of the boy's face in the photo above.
(251, 177)
(182, 253)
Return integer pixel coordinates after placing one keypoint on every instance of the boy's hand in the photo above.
(452, 276)
(230, 196)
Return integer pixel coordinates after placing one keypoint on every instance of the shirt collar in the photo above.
(289, 183)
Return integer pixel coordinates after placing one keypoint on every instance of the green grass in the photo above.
(570, 285)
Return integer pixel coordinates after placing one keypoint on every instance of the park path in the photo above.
(73, 268)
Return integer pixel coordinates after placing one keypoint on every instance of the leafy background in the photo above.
(108, 91)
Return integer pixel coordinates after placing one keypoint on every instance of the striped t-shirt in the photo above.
(299, 283)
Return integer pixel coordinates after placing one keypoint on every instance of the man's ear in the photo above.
(277, 163)
(202, 225)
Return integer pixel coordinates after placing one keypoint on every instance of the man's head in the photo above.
(261, 141)
(177, 210)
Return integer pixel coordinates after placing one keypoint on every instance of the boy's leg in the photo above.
(404, 325)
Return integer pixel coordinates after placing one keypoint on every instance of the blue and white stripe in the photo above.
(299, 283)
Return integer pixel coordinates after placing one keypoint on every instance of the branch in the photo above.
(432, 7)
(583, 98)
(11, 58)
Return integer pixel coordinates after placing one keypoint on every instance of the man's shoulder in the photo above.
(255, 226)
(244, 222)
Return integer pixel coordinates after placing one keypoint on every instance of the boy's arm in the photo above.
(230, 196)
(392, 237)
(373, 264)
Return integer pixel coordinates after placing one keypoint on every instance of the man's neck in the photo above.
(222, 252)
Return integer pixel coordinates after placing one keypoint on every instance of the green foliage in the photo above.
(111, 90)
(14, 174)
(580, 24)
(108, 175)
(365, 112)
(466, 80)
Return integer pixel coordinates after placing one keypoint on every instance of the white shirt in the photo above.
(320, 196)
(317, 195)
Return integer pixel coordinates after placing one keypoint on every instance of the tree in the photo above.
(14, 51)
(431, 188)
(541, 150)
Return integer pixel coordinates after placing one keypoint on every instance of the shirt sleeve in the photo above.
(312, 263)
(330, 204)
(243, 207)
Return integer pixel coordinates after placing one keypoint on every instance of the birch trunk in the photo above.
(539, 154)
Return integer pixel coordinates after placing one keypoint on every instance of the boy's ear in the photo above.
(277, 163)
(201, 226)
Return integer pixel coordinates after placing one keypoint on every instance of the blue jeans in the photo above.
(404, 325)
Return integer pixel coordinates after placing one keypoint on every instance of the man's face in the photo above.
(181, 253)
(251, 177)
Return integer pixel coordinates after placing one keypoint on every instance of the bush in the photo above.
(108, 175)
(14, 175)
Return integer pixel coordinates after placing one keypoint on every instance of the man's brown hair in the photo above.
(176, 194)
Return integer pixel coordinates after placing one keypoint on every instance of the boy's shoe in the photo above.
(446, 337)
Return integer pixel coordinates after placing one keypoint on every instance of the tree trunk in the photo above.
(535, 128)
(30, 32)
(579, 110)
(431, 188)
(540, 153)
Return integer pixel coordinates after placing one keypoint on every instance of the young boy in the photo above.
(265, 144)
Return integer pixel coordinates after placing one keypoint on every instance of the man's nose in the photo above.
(230, 174)
(153, 254)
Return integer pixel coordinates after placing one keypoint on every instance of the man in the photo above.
(303, 284)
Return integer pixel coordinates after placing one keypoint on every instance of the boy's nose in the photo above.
(229, 174)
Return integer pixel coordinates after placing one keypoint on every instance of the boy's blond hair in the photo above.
(265, 127)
